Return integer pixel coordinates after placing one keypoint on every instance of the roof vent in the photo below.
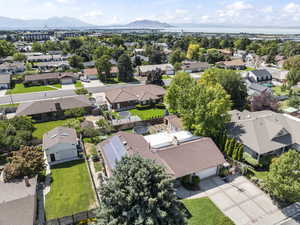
(64, 134)
(125, 143)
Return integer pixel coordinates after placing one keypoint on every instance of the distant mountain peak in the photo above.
(148, 24)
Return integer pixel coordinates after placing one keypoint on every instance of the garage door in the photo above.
(67, 81)
(207, 173)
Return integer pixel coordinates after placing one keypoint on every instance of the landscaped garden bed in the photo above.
(71, 190)
(204, 212)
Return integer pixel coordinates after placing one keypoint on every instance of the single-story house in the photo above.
(5, 80)
(279, 75)
(90, 74)
(193, 67)
(174, 123)
(264, 132)
(260, 76)
(14, 67)
(167, 69)
(53, 65)
(237, 64)
(124, 98)
(46, 58)
(180, 153)
(49, 78)
(257, 89)
(226, 52)
(60, 145)
(52, 108)
(18, 202)
(89, 64)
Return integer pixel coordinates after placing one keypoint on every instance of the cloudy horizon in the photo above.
(100, 12)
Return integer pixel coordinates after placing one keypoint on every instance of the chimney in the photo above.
(175, 141)
(26, 180)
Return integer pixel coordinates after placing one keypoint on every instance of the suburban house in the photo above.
(264, 132)
(193, 67)
(13, 67)
(52, 65)
(260, 76)
(49, 78)
(5, 80)
(167, 69)
(18, 202)
(124, 98)
(180, 153)
(47, 58)
(237, 64)
(278, 75)
(52, 108)
(226, 52)
(257, 89)
(60, 145)
(90, 74)
(174, 123)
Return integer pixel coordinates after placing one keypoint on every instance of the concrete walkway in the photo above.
(240, 200)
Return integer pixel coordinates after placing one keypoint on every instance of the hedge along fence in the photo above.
(233, 149)
(73, 219)
(131, 125)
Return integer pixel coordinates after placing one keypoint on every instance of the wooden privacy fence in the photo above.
(73, 219)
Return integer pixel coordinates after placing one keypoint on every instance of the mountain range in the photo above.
(69, 22)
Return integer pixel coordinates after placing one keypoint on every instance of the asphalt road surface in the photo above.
(35, 96)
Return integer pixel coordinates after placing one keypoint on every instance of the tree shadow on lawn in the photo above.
(68, 164)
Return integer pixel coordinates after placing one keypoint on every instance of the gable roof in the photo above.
(45, 76)
(190, 65)
(135, 93)
(179, 160)
(148, 68)
(44, 106)
(262, 74)
(264, 131)
(17, 202)
(59, 135)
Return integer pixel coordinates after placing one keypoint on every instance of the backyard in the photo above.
(204, 212)
(71, 190)
(42, 128)
(277, 91)
(146, 114)
(20, 88)
(91, 151)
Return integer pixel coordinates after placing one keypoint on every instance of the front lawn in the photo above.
(113, 81)
(204, 212)
(71, 190)
(42, 128)
(19, 89)
(146, 114)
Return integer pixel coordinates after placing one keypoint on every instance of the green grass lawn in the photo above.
(78, 84)
(261, 174)
(277, 91)
(42, 128)
(71, 190)
(19, 89)
(204, 212)
(166, 77)
(8, 106)
(146, 114)
(56, 85)
(113, 81)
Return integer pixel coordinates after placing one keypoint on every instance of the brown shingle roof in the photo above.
(38, 107)
(46, 76)
(59, 135)
(141, 93)
(179, 160)
(4, 78)
(90, 71)
(236, 62)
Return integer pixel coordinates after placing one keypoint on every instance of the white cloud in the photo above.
(268, 9)
(292, 8)
(94, 13)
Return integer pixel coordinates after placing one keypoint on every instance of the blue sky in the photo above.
(105, 12)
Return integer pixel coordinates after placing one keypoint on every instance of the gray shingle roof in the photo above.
(262, 74)
(4, 78)
(264, 131)
(59, 135)
(38, 107)
(17, 202)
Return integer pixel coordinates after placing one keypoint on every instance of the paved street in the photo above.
(19, 98)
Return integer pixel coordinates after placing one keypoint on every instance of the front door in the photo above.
(52, 157)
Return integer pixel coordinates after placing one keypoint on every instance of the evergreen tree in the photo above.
(139, 192)
(240, 152)
(125, 68)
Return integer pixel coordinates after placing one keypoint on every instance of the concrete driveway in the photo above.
(240, 200)
(92, 83)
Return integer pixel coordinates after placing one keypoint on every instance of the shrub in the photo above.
(77, 112)
(81, 91)
(250, 160)
(95, 157)
(142, 107)
(224, 220)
